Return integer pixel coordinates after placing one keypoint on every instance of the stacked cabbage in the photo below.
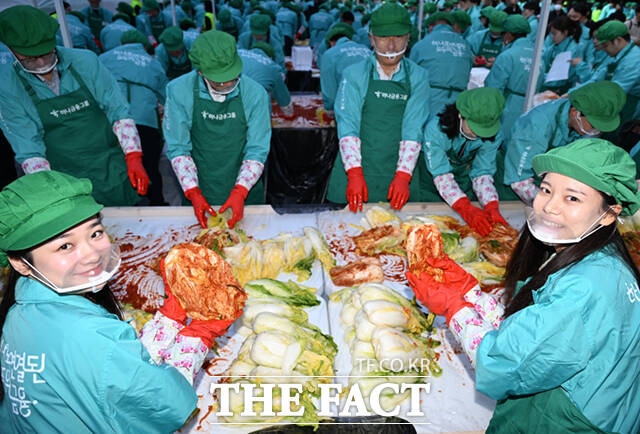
(282, 346)
(388, 337)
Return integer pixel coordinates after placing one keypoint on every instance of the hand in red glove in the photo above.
(135, 170)
(171, 308)
(236, 202)
(398, 193)
(494, 213)
(439, 298)
(357, 191)
(475, 217)
(207, 330)
(479, 60)
(327, 118)
(454, 276)
(200, 205)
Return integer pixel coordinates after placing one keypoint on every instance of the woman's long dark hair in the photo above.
(573, 28)
(450, 121)
(104, 297)
(530, 254)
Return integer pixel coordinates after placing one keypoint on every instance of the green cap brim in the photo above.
(173, 47)
(604, 124)
(40, 49)
(391, 30)
(495, 29)
(484, 130)
(227, 74)
(51, 222)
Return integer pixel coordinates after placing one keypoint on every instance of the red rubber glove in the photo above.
(207, 330)
(439, 298)
(357, 191)
(454, 276)
(200, 205)
(171, 308)
(135, 170)
(327, 118)
(479, 60)
(398, 193)
(475, 217)
(236, 202)
(494, 213)
(297, 37)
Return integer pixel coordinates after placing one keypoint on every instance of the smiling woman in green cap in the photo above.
(563, 356)
(86, 369)
(172, 53)
(217, 127)
(589, 111)
(380, 107)
(460, 146)
(62, 109)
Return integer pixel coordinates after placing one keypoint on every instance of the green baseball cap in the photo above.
(187, 23)
(172, 38)
(611, 30)
(342, 29)
(439, 16)
(149, 5)
(447, 5)
(133, 37)
(496, 21)
(482, 108)
(27, 30)
(390, 19)
(269, 13)
(121, 16)
(461, 18)
(601, 102)
(324, 6)
(430, 8)
(516, 24)
(186, 6)
(266, 49)
(224, 16)
(237, 4)
(125, 8)
(214, 54)
(259, 24)
(487, 11)
(597, 163)
(39, 206)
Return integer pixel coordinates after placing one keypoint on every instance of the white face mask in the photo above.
(589, 134)
(42, 70)
(551, 233)
(465, 135)
(389, 55)
(110, 265)
(221, 95)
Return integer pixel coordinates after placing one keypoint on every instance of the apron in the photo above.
(218, 145)
(488, 50)
(380, 135)
(157, 26)
(632, 100)
(547, 412)
(96, 20)
(80, 142)
(176, 69)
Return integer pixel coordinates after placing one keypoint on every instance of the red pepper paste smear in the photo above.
(136, 282)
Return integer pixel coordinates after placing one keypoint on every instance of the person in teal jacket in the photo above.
(343, 53)
(173, 53)
(589, 111)
(142, 81)
(447, 58)
(613, 38)
(319, 24)
(228, 23)
(510, 72)
(565, 36)
(487, 44)
(530, 11)
(111, 33)
(149, 21)
(289, 20)
(381, 105)
(562, 356)
(217, 128)
(361, 35)
(263, 30)
(460, 147)
(69, 361)
(62, 109)
(81, 36)
(167, 15)
(258, 65)
(96, 17)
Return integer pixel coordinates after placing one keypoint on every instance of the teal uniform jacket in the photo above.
(275, 40)
(475, 41)
(448, 59)
(143, 23)
(581, 334)
(287, 22)
(81, 36)
(624, 70)
(260, 67)
(593, 59)
(533, 23)
(105, 14)
(19, 119)
(476, 23)
(353, 89)
(510, 75)
(189, 37)
(362, 36)
(69, 366)
(178, 116)
(542, 128)
(163, 56)
(6, 56)
(141, 78)
(437, 144)
(168, 17)
(334, 61)
(319, 24)
(550, 52)
(111, 33)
